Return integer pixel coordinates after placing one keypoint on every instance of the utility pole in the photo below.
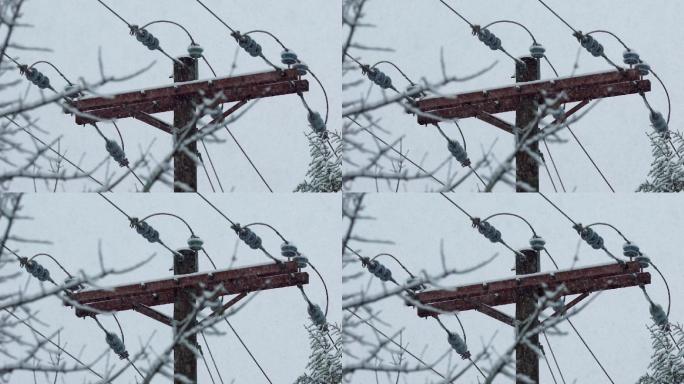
(142, 104)
(526, 166)
(523, 97)
(184, 166)
(526, 360)
(524, 290)
(184, 360)
(143, 296)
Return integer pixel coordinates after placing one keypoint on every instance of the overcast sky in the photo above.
(272, 133)
(613, 132)
(614, 324)
(272, 325)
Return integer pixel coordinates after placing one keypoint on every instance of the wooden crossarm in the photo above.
(529, 88)
(181, 281)
(165, 104)
(167, 296)
(528, 281)
(511, 103)
(188, 88)
(510, 295)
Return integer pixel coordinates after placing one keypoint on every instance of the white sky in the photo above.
(614, 324)
(613, 132)
(272, 325)
(273, 129)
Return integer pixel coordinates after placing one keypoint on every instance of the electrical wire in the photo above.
(211, 355)
(54, 344)
(590, 351)
(553, 355)
(56, 152)
(247, 349)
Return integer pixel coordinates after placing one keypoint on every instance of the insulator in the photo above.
(301, 260)
(288, 249)
(643, 260)
(643, 68)
(116, 152)
(592, 238)
(380, 271)
(71, 89)
(630, 249)
(248, 44)
(316, 314)
(413, 89)
(248, 236)
(116, 345)
(412, 280)
(195, 243)
(458, 152)
(658, 122)
(592, 45)
(537, 243)
(658, 315)
(37, 78)
(36, 270)
(317, 124)
(630, 57)
(537, 50)
(288, 57)
(458, 345)
(488, 231)
(70, 280)
(145, 230)
(489, 39)
(147, 39)
(301, 68)
(195, 50)
(380, 78)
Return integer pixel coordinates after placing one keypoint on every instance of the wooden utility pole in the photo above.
(184, 360)
(522, 98)
(524, 290)
(184, 166)
(526, 166)
(143, 296)
(526, 360)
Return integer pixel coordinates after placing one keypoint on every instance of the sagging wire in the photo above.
(633, 252)
(590, 236)
(537, 51)
(383, 273)
(632, 58)
(537, 243)
(195, 243)
(42, 81)
(486, 229)
(142, 35)
(43, 274)
(144, 229)
(384, 81)
(588, 42)
(245, 234)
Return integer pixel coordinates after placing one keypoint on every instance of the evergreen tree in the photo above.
(325, 361)
(667, 169)
(667, 361)
(325, 168)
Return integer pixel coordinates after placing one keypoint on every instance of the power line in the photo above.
(553, 355)
(248, 351)
(250, 160)
(54, 151)
(54, 344)
(590, 351)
